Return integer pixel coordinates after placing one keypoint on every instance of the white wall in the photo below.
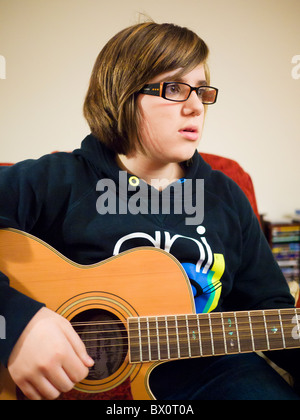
(48, 48)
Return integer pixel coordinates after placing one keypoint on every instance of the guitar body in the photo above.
(142, 282)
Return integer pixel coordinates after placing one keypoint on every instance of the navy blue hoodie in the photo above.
(76, 203)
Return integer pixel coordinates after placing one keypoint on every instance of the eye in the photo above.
(174, 89)
(201, 91)
(207, 94)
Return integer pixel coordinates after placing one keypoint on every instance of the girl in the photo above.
(146, 103)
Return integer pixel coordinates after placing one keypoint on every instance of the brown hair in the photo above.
(126, 63)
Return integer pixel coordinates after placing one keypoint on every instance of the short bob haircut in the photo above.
(127, 62)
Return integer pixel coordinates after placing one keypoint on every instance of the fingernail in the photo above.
(90, 361)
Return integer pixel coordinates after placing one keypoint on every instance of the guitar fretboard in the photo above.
(157, 338)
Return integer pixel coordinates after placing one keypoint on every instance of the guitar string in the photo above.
(256, 329)
(181, 338)
(215, 332)
(191, 318)
(213, 315)
(272, 329)
(218, 336)
(259, 336)
(254, 325)
(183, 346)
(186, 347)
(182, 352)
(171, 345)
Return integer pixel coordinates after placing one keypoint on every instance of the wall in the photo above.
(48, 48)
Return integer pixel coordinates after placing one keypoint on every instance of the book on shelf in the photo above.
(284, 240)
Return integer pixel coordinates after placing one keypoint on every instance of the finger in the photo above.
(30, 391)
(78, 345)
(61, 380)
(40, 389)
(74, 368)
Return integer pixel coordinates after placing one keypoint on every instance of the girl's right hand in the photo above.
(49, 357)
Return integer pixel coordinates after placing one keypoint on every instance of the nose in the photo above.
(193, 105)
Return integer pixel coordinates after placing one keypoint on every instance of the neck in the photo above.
(212, 334)
(157, 174)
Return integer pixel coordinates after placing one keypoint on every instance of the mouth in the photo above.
(190, 133)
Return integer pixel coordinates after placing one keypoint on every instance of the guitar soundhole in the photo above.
(105, 338)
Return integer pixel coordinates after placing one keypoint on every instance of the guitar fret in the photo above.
(183, 336)
(237, 333)
(193, 337)
(153, 339)
(144, 339)
(133, 340)
(140, 341)
(211, 335)
(158, 341)
(163, 338)
(275, 332)
(149, 340)
(163, 344)
(177, 337)
(217, 334)
(167, 334)
(188, 336)
(251, 331)
(199, 336)
(243, 332)
(261, 335)
(266, 330)
(230, 334)
(281, 328)
(205, 335)
(172, 337)
(224, 334)
(260, 331)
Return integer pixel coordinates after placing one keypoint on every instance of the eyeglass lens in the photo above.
(181, 91)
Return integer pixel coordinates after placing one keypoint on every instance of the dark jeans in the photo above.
(235, 377)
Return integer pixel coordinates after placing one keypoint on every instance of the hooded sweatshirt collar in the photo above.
(104, 162)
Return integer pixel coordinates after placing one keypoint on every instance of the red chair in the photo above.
(232, 169)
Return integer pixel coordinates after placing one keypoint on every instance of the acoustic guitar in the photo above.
(133, 312)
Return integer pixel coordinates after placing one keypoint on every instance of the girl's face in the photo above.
(171, 131)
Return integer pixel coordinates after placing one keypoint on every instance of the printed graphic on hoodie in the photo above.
(205, 276)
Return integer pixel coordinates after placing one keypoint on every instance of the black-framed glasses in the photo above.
(180, 92)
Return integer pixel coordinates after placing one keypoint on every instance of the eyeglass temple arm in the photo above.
(154, 89)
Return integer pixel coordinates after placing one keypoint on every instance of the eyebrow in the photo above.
(181, 80)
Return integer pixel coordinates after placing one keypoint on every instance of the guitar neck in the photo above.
(171, 337)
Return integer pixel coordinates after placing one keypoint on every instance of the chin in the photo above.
(185, 155)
